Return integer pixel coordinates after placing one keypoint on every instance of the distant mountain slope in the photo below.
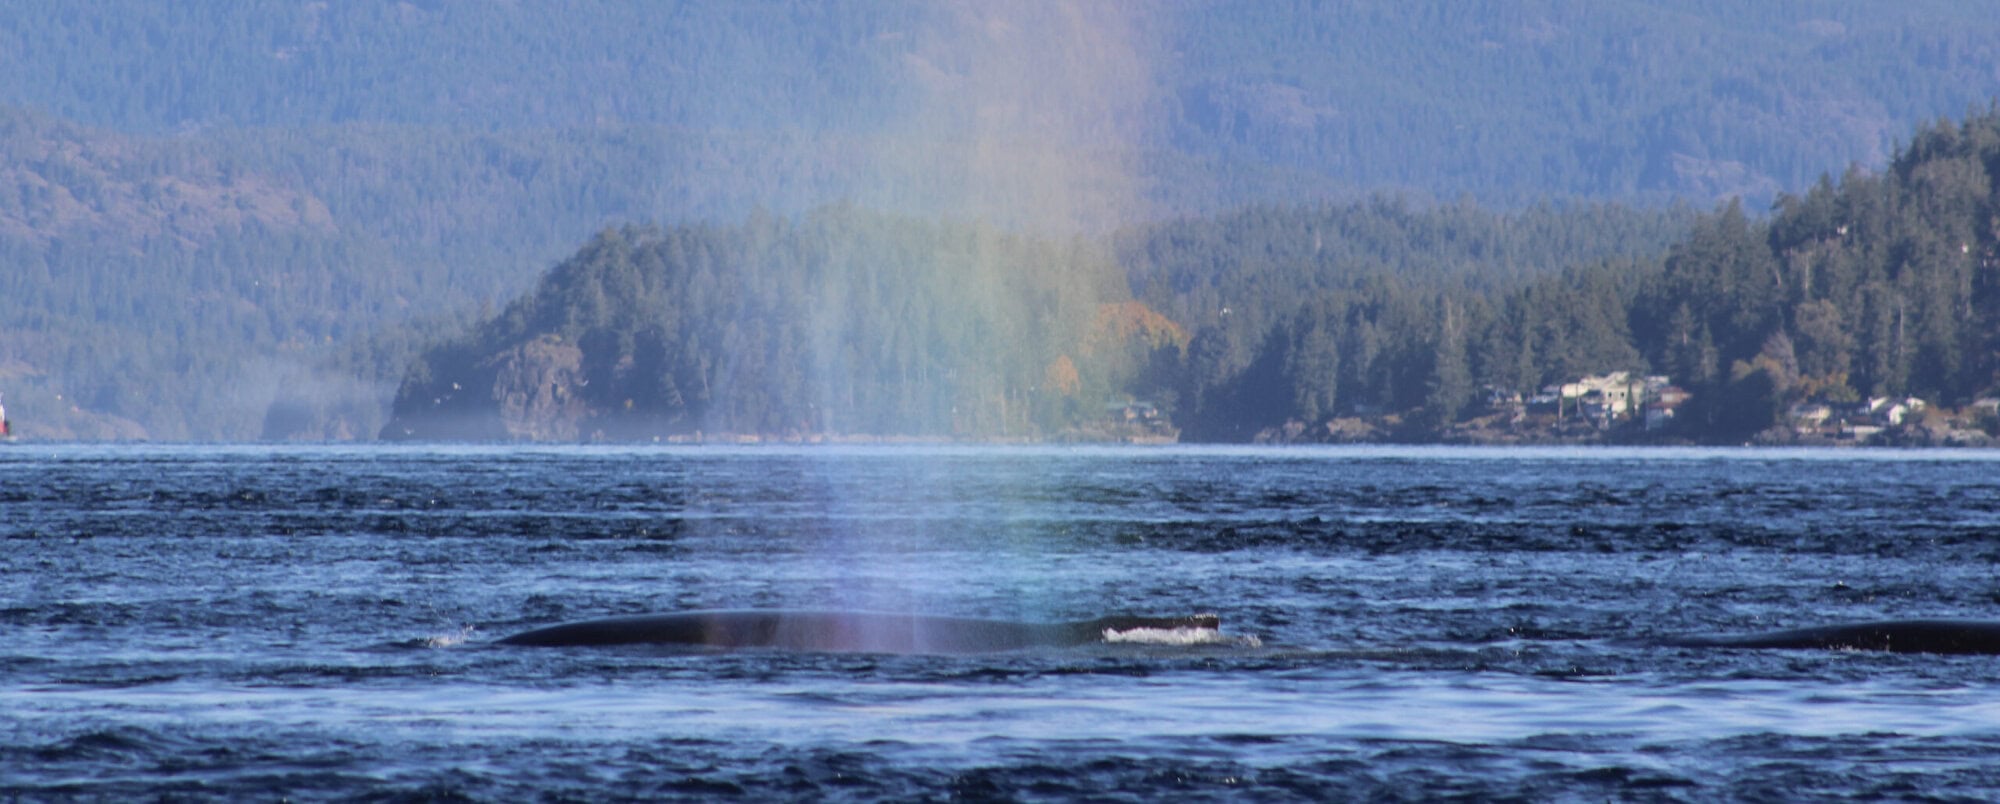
(1507, 101)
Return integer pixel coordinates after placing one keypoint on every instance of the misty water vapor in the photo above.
(1021, 124)
(1024, 114)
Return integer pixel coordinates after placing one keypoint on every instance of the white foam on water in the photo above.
(1184, 635)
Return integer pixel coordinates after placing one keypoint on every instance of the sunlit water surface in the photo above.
(262, 622)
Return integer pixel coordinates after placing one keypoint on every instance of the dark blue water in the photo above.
(314, 623)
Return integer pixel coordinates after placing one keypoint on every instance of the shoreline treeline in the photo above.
(848, 322)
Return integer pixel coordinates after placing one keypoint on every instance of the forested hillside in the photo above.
(856, 323)
(1507, 101)
(851, 323)
(846, 322)
(1884, 285)
(242, 220)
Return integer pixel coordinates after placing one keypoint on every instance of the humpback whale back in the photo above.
(1895, 636)
(878, 632)
(842, 632)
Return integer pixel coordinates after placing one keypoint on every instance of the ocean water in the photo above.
(316, 623)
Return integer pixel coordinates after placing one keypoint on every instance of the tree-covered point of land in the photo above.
(841, 322)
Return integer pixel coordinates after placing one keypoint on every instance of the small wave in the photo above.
(1180, 636)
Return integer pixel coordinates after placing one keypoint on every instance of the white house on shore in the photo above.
(1859, 421)
(1891, 412)
(1604, 398)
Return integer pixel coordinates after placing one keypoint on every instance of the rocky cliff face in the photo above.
(537, 390)
(530, 392)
